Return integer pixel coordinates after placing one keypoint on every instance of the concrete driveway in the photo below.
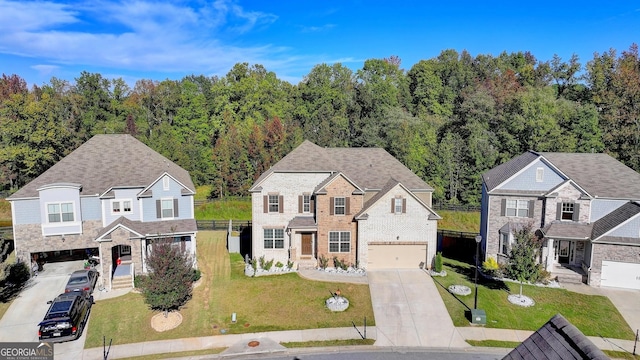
(627, 302)
(20, 322)
(409, 311)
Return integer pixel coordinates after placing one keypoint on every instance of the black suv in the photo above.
(66, 318)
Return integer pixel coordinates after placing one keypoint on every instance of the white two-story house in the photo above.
(112, 197)
(359, 205)
(584, 207)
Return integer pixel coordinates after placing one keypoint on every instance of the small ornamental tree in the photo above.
(523, 265)
(170, 277)
(439, 262)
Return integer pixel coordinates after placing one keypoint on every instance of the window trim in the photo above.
(504, 240)
(340, 241)
(306, 203)
(121, 203)
(273, 239)
(336, 206)
(517, 208)
(61, 213)
(271, 204)
(162, 209)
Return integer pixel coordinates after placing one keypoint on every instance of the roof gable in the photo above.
(369, 168)
(390, 186)
(501, 173)
(614, 219)
(599, 174)
(107, 161)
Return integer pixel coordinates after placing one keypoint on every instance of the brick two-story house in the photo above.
(584, 207)
(112, 197)
(360, 205)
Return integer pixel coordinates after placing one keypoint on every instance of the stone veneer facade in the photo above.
(29, 239)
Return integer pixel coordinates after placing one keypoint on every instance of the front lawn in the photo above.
(267, 303)
(593, 315)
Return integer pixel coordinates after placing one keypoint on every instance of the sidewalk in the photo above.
(269, 342)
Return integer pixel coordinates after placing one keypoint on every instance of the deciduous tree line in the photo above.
(449, 118)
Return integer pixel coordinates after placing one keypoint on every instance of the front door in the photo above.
(564, 249)
(307, 245)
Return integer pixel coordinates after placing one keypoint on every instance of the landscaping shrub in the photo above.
(196, 274)
(338, 264)
(289, 264)
(324, 262)
(170, 277)
(267, 265)
(279, 264)
(140, 281)
(439, 262)
(490, 267)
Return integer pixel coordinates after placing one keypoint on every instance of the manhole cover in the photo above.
(253, 343)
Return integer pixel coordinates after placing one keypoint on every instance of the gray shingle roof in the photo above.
(567, 230)
(369, 168)
(106, 161)
(614, 218)
(599, 174)
(557, 339)
(152, 228)
(502, 172)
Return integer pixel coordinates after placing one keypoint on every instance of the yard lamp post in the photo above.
(478, 240)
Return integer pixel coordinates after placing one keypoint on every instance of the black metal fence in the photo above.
(236, 225)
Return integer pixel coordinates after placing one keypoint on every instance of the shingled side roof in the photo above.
(106, 161)
(614, 218)
(599, 174)
(369, 168)
(502, 172)
(557, 339)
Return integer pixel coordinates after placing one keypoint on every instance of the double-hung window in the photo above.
(339, 241)
(503, 246)
(517, 208)
(274, 238)
(397, 205)
(339, 206)
(274, 203)
(167, 208)
(306, 203)
(60, 212)
(567, 211)
(121, 206)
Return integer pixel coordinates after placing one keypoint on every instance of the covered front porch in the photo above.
(302, 232)
(565, 251)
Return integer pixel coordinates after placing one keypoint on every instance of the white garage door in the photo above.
(620, 274)
(394, 256)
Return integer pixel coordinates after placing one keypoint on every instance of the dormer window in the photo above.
(120, 206)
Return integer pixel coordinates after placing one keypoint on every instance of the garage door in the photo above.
(394, 256)
(620, 274)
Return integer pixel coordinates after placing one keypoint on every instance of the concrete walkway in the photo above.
(410, 312)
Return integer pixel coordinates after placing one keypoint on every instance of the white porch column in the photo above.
(550, 255)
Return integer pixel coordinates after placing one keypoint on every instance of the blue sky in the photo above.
(145, 39)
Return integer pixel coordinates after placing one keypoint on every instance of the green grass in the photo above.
(494, 343)
(593, 315)
(232, 209)
(180, 354)
(326, 343)
(202, 192)
(266, 303)
(621, 355)
(465, 221)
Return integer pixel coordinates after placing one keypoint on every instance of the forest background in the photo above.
(448, 119)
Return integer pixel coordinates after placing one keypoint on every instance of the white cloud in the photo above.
(141, 35)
